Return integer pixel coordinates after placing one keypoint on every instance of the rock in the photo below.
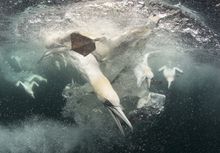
(82, 44)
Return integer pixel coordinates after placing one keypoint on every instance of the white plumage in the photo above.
(170, 73)
(28, 87)
(143, 70)
(90, 69)
(29, 83)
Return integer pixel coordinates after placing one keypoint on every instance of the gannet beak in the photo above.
(117, 114)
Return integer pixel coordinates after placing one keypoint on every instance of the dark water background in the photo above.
(190, 122)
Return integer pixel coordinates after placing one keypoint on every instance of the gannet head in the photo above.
(110, 99)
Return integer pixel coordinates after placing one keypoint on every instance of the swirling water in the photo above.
(189, 122)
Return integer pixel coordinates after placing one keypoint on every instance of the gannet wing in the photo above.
(178, 69)
(162, 68)
(32, 84)
(34, 77)
(139, 74)
(102, 39)
(140, 80)
(118, 114)
(145, 59)
(55, 45)
(40, 78)
(146, 56)
(18, 83)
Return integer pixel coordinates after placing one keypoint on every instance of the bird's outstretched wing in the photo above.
(162, 68)
(178, 69)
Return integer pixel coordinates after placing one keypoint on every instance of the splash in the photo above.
(176, 36)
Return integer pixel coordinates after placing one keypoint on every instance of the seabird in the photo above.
(143, 70)
(28, 87)
(29, 82)
(91, 71)
(170, 73)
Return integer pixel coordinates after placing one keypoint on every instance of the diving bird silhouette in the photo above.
(170, 73)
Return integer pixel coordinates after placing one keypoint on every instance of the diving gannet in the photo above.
(29, 82)
(89, 67)
(170, 73)
(28, 87)
(143, 70)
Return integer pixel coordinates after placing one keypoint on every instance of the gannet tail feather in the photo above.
(169, 84)
(162, 68)
(178, 69)
(117, 114)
